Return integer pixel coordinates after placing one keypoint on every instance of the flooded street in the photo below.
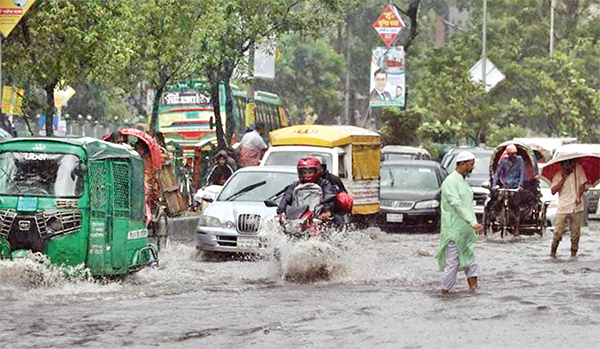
(382, 292)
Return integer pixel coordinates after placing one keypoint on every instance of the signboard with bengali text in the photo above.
(388, 25)
(11, 12)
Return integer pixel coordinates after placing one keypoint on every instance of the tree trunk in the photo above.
(214, 98)
(230, 121)
(50, 107)
(155, 104)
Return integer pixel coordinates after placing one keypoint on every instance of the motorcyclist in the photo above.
(340, 210)
(308, 172)
(333, 179)
(221, 171)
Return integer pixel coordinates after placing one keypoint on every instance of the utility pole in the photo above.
(347, 104)
(484, 44)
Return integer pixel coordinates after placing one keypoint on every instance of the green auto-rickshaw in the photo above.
(78, 201)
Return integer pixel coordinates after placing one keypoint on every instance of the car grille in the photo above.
(248, 223)
(399, 205)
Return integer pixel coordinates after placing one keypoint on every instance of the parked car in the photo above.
(410, 195)
(402, 152)
(250, 196)
(479, 175)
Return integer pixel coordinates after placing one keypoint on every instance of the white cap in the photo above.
(464, 156)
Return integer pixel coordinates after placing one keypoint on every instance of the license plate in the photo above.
(247, 243)
(395, 217)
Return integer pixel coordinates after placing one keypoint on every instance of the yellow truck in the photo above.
(350, 152)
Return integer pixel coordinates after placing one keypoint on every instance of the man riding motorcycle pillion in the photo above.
(308, 172)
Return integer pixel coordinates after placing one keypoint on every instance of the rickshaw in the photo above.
(161, 188)
(498, 215)
(77, 201)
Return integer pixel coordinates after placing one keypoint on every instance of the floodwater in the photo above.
(381, 291)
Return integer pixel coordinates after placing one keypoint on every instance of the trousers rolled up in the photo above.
(575, 220)
(452, 263)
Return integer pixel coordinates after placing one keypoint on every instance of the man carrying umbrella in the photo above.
(570, 183)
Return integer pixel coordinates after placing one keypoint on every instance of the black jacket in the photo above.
(328, 191)
(218, 172)
(335, 180)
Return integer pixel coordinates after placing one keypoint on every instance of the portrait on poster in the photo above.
(387, 88)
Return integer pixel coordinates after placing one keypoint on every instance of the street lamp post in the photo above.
(484, 44)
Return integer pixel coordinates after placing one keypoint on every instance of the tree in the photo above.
(238, 25)
(66, 41)
(164, 49)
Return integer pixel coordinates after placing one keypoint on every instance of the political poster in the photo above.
(388, 83)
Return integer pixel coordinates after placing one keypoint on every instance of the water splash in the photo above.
(36, 270)
(336, 257)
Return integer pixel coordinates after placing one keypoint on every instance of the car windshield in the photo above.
(409, 177)
(288, 158)
(256, 186)
(39, 174)
(482, 164)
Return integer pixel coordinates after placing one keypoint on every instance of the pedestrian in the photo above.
(221, 171)
(569, 183)
(252, 147)
(459, 226)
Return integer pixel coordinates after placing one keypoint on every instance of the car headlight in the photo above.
(229, 225)
(208, 221)
(427, 204)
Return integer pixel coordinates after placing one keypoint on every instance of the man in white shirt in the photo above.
(570, 183)
(252, 147)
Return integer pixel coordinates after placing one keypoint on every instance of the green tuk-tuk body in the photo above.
(78, 201)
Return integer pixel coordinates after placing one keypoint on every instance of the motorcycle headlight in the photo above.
(427, 204)
(208, 221)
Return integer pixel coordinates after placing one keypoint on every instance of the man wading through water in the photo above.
(459, 224)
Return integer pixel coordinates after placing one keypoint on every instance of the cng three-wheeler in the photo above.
(77, 201)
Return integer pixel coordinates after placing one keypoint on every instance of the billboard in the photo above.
(388, 86)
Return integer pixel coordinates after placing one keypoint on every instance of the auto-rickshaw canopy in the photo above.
(323, 136)
(151, 143)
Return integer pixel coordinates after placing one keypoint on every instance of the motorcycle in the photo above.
(301, 218)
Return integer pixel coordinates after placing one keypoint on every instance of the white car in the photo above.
(551, 203)
(232, 221)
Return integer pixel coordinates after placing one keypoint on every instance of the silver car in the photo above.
(231, 223)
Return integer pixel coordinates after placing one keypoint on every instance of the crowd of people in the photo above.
(459, 226)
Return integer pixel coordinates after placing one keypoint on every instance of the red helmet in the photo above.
(308, 169)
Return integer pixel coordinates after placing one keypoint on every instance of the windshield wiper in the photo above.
(245, 190)
(391, 177)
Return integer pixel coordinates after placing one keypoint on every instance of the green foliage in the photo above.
(446, 132)
(400, 126)
(497, 135)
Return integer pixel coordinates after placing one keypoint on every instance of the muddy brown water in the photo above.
(382, 291)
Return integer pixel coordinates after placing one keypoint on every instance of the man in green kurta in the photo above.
(459, 226)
